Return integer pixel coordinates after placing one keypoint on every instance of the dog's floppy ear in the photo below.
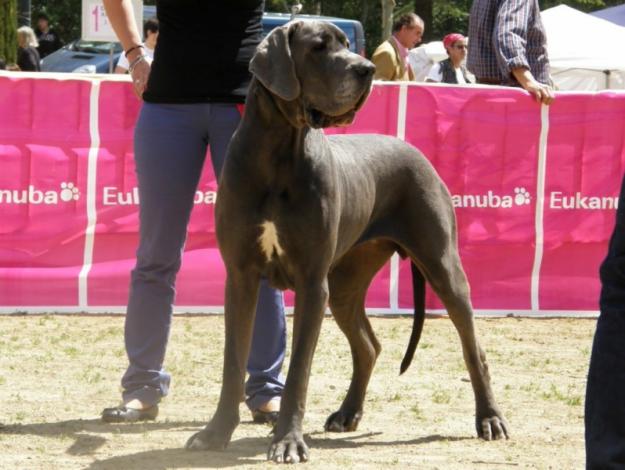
(273, 64)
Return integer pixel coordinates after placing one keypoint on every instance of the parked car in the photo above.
(88, 56)
(96, 57)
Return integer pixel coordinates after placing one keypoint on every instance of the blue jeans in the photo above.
(605, 393)
(170, 149)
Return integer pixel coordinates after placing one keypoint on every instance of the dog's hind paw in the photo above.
(492, 428)
(341, 421)
(290, 449)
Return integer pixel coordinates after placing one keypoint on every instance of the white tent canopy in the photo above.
(584, 51)
(614, 15)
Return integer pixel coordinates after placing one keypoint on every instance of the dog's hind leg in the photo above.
(443, 270)
(348, 283)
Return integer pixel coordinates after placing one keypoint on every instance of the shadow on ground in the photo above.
(247, 451)
(85, 431)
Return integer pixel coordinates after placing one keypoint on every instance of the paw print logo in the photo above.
(69, 192)
(521, 196)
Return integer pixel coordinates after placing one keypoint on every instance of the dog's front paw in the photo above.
(492, 426)
(212, 437)
(342, 421)
(289, 449)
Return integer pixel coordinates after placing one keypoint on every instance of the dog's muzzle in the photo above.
(317, 119)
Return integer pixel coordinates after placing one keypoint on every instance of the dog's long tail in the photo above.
(418, 294)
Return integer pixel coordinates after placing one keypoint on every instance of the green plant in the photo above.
(8, 30)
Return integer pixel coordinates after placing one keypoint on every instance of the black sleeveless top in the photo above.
(203, 50)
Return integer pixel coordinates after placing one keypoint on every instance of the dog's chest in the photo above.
(275, 266)
(269, 241)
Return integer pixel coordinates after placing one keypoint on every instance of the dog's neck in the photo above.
(271, 136)
(274, 124)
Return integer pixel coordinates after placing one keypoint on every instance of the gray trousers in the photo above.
(170, 148)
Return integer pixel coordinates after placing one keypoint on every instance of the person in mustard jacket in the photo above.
(391, 57)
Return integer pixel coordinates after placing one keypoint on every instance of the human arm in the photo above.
(543, 93)
(510, 43)
(122, 18)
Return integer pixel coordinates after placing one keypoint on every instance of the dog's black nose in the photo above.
(364, 68)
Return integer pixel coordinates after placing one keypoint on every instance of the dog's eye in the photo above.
(320, 46)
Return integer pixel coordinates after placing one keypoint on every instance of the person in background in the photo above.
(49, 40)
(508, 46)
(191, 95)
(391, 57)
(150, 35)
(27, 55)
(452, 69)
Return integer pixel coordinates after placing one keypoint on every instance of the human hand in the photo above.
(543, 93)
(139, 74)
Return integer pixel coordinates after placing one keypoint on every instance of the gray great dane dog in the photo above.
(321, 215)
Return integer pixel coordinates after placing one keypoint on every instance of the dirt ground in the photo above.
(58, 372)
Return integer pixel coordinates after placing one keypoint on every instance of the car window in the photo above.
(96, 47)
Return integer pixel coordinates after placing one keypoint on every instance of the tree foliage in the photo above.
(8, 30)
(64, 16)
(440, 16)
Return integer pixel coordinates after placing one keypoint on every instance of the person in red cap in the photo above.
(452, 69)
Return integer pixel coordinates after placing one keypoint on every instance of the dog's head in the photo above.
(310, 62)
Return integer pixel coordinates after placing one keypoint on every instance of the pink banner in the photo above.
(534, 191)
(585, 166)
(484, 145)
(44, 142)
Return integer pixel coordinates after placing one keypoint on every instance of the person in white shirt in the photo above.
(150, 33)
(452, 69)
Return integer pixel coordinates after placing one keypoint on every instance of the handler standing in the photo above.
(190, 92)
(508, 46)
(605, 400)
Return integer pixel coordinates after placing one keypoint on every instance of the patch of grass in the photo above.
(72, 351)
(59, 339)
(441, 397)
(92, 377)
(416, 411)
(569, 397)
(530, 387)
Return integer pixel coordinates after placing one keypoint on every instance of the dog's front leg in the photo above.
(241, 297)
(288, 444)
